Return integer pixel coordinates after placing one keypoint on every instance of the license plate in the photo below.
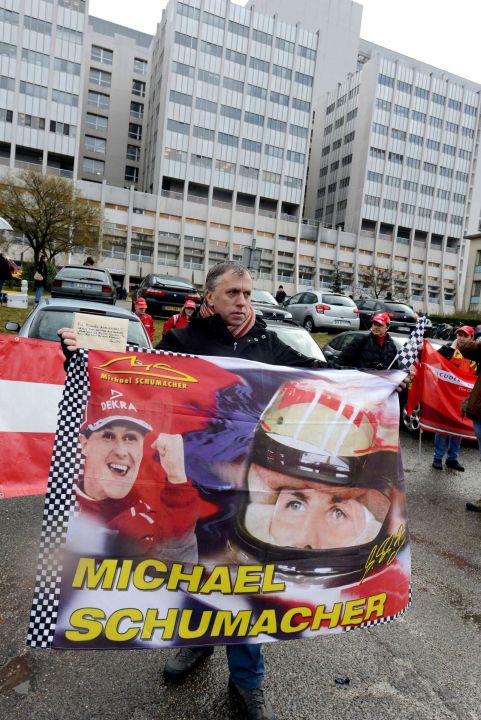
(403, 328)
(339, 322)
(171, 307)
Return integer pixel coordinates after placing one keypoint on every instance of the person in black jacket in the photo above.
(5, 274)
(40, 278)
(375, 351)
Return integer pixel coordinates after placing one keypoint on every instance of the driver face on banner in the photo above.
(112, 459)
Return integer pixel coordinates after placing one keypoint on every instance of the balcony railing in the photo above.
(167, 261)
(193, 265)
(222, 204)
(198, 199)
(171, 194)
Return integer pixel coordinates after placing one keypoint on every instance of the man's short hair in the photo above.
(220, 269)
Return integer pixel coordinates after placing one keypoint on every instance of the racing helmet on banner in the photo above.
(319, 477)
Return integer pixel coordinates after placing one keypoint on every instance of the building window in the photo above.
(96, 122)
(140, 66)
(257, 91)
(138, 88)
(94, 144)
(131, 174)
(295, 156)
(249, 172)
(253, 118)
(285, 45)
(202, 104)
(271, 177)
(186, 40)
(251, 145)
(230, 112)
(185, 70)
(281, 72)
(98, 100)
(65, 98)
(231, 84)
(40, 26)
(257, 64)
(301, 105)
(235, 57)
(201, 160)
(188, 11)
(73, 36)
(32, 57)
(278, 125)
(306, 52)
(101, 55)
(213, 20)
(226, 139)
(100, 77)
(133, 153)
(385, 80)
(136, 110)
(37, 91)
(304, 79)
(93, 167)
(211, 49)
(135, 131)
(199, 132)
(7, 116)
(238, 29)
(61, 128)
(279, 98)
(274, 151)
(298, 131)
(205, 76)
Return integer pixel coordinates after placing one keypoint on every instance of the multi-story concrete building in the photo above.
(41, 45)
(115, 95)
(399, 164)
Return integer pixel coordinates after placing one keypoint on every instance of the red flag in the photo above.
(444, 387)
(31, 383)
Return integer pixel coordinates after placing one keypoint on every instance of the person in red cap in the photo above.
(181, 319)
(373, 351)
(450, 445)
(146, 319)
(112, 442)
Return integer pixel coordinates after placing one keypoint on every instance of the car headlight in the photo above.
(288, 316)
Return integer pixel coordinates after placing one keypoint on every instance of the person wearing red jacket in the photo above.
(180, 320)
(146, 319)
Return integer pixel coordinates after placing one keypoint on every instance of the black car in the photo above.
(403, 317)
(165, 295)
(82, 282)
(267, 306)
(332, 350)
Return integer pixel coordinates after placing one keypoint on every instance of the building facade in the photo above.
(41, 46)
(115, 94)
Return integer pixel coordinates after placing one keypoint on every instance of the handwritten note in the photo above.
(100, 332)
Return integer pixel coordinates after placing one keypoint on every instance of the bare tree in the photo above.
(51, 213)
(377, 281)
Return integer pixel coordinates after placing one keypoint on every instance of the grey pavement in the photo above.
(426, 666)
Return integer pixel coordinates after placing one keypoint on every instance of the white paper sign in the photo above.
(100, 332)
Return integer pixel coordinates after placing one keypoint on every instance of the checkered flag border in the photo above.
(384, 620)
(408, 354)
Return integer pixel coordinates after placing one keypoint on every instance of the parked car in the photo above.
(52, 314)
(332, 350)
(84, 283)
(403, 317)
(165, 295)
(317, 310)
(265, 302)
(299, 339)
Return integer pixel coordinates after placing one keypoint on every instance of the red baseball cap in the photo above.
(190, 304)
(467, 329)
(140, 302)
(382, 319)
(115, 410)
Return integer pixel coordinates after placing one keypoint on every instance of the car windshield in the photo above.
(82, 273)
(300, 340)
(48, 322)
(338, 300)
(263, 296)
(400, 307)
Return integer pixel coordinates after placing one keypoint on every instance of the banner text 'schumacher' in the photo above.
(197, 501)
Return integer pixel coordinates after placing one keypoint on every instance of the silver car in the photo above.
(317, 310)
(52, 314)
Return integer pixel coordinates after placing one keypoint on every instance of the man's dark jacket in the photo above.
(365, 352)
(210, 336)
(5, 273)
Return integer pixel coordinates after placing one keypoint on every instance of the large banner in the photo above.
(441, 387)
(31, 384)
(211, 500)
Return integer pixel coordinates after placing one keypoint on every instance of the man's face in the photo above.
(189, 311)
(231, 297)
(112, 458)
(317, 516)
(139, 310)
(461, 338)
(378, 329)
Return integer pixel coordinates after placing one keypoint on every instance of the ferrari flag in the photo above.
(208, 500)
(441, 390)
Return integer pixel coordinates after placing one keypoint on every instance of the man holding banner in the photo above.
(450, 444)
(471, 350)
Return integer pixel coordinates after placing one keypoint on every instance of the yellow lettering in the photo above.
(139, 579)
(218, 581)
(375, 604)
(288, 617)
(248, 579)
(322, 614)
(265, 623)
(112, 631)
(226, 624)
(202, 628)
(87, 624)
(154, 622)
(124, 575)
(177, 575)
(87, 576)
(354, 612)
(269, 585)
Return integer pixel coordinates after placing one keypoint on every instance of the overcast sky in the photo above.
(443, 33)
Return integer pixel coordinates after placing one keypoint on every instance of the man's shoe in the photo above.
(454, 465)
(474, 507)
(185, 661)
(254, 703)
(437, 464)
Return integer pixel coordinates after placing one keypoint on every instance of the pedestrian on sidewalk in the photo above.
(450, 445)
(40, 278)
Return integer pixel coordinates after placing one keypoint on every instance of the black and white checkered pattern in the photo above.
(384, 620)
(408, 354)
(65, 467)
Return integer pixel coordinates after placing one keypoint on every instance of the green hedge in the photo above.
(467, 318)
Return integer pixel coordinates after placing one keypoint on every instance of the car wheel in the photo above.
(410, 423)
(309, 324)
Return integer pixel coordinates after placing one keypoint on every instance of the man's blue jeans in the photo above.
(446, 443)
(246, 664)
(477, 430)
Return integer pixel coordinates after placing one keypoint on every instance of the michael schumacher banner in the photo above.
(209, 500)
(441, 387)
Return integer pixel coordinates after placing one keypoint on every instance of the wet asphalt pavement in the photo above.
(426, 666)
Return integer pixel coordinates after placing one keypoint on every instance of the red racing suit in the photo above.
(148, 323)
